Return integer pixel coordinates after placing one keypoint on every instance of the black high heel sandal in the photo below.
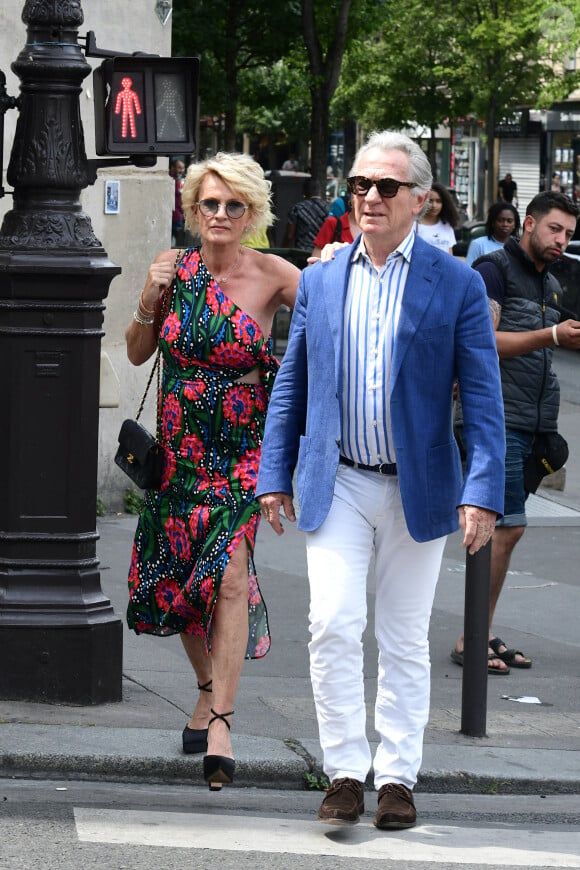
(218, 769)
(195, 739)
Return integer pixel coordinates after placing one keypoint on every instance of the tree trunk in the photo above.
(319, 141)
(432, 152)
(324, 71)
(491, 185)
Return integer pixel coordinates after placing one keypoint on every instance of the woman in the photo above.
(336, 229)
(440, 219)
(211, 310)
(502, 222)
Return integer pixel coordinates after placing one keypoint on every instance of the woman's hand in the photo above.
(159, 276)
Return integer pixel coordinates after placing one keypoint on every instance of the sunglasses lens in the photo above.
(235, 209)
(359, 185)
(387, 187)
(209, 207)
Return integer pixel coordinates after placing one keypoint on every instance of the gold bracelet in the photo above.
(142, 321)
(142, 305)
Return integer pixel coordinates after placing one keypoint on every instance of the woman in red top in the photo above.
(342, 229)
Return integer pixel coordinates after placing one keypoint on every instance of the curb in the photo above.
(141, 755)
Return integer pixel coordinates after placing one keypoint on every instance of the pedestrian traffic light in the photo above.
(146, 105)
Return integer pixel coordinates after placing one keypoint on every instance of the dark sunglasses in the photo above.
(387, 187)
(210, 207)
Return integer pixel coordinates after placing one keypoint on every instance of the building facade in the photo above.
(133, 231)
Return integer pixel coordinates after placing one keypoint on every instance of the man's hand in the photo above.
(568, 334)
(477, 524)
(270, 503)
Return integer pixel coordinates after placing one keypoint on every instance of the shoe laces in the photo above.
(345, 782)
(397, 789)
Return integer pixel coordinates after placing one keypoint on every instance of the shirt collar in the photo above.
(404, 248)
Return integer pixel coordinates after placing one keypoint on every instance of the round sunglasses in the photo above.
(210, 207)
(387, 187)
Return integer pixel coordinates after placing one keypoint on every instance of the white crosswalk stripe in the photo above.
(436, 843)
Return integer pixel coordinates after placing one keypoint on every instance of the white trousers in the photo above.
(366, 515)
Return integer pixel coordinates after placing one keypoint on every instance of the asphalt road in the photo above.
(67, 825)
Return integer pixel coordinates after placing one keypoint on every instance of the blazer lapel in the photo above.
(334, 285)
(422, 279)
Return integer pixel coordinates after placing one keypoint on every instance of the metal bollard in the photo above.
(476, 637)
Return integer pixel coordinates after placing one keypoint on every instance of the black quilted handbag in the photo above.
(140, 455)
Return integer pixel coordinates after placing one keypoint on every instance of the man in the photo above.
(291, 165)
(305, 219)
(508, 190)
(523, 299)
(362, 406)
(176, 171)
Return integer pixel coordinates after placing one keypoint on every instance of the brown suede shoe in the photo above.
(344, 802)
(396, 807)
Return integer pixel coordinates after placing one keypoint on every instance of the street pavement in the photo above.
(532, 743)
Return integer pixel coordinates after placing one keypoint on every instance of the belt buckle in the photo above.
(385, 468)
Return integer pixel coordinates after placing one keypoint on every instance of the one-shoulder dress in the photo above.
(211, 428)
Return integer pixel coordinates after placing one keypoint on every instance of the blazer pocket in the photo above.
(443, 480)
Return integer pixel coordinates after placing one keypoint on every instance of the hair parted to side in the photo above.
(448, 214)
(544, 202)
(494, 212)
(419, 167)
(246, 179)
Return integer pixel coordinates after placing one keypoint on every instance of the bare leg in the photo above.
(202, 665)
(503, 543)
(228, 646)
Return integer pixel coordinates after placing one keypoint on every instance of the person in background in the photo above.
(508, 190)
(437, 225)
(305, 219)
(210, 310)
(502, 222)
(336, 229)
(523, 299)
(361, 410)
(340, 205)
(257, 239)
(556, 184)
(291, 165)
(176, 170)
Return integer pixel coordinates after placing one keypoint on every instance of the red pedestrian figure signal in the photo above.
(127, 105)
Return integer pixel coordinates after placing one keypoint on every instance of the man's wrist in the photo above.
(555, 335)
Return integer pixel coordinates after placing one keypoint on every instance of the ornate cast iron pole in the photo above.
(60, 639)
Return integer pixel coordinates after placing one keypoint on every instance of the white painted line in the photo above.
(441, 843)
(536, 506)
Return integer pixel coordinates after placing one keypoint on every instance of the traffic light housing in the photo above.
(146, 105)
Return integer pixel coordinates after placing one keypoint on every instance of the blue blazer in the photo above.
(444, 333)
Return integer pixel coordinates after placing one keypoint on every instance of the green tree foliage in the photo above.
(275, 101)
(403, 75)
(231, 36)
(427, 65)
(510, 55)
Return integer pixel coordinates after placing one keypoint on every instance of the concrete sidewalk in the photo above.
(530, 747)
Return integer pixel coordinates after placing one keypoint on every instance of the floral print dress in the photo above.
(211, 428)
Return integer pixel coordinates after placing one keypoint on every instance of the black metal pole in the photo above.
(60, 639)
(476, 637)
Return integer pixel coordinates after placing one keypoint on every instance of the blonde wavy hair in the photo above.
(246, 179)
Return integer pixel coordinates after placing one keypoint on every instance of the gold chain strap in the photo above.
(157, 363)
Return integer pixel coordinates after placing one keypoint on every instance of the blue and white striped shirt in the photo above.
(371, 315)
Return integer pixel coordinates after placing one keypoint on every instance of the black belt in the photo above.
(389, 468)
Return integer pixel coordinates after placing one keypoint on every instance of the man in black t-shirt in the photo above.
(508, 190)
